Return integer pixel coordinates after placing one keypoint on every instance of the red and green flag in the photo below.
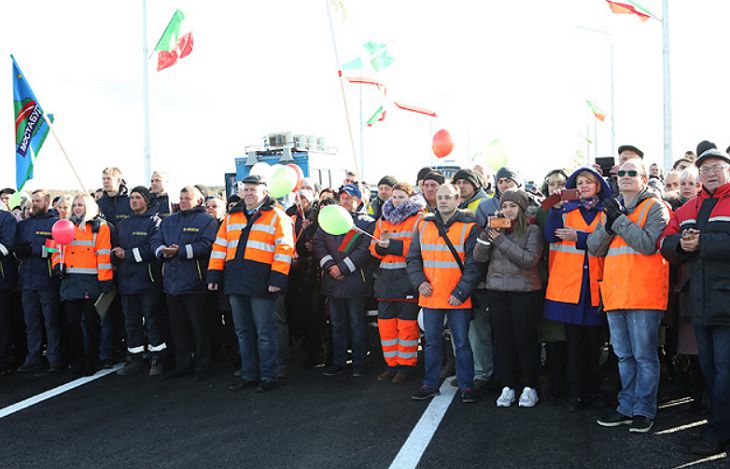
(378, 116)
(175, 43)
(629, 9)
(349, 241)
(50, 247)
(600, 115)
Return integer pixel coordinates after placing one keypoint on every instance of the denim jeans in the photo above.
(713, 346)
(458, 321)
(480, 337)
(255, 324)
(342, 312)
(42, 310)
(143, 313)
(635, 339)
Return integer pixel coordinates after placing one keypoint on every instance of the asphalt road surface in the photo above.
(312, 421)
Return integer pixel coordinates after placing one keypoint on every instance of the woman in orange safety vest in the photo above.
(572, 292)
(397, 299)
(86, 272)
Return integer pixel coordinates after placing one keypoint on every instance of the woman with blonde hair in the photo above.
(64, 207)
(85, 269)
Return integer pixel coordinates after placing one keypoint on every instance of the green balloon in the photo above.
(16, 200)
(335, 220)
(283, 181)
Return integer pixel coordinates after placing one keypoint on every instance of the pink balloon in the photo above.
(63, 232)
(300, 176)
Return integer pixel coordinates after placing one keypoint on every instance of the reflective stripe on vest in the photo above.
(439, 265)
(392, 261)
(566, 262)
(632, 280)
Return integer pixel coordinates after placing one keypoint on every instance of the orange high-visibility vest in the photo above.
(403, 231)
(565, 264)
(439, 265)
(269, 241)
(632, 280)
(88, 253)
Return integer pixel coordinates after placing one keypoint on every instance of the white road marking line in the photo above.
(417, 442)
(17, 407)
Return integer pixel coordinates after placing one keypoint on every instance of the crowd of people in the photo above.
(493, 280)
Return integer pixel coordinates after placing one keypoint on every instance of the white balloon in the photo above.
(262, 169)
(419, 320)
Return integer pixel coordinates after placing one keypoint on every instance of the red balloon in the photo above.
(300, 176)
(63, 232)
(442, 144)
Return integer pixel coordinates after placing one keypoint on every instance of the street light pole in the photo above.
(612, 88)
(667, 88)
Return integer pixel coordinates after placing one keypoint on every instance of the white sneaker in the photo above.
(528, 398)
(506, 398)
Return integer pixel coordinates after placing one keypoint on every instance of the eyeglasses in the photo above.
(715, 168)
(630, 172)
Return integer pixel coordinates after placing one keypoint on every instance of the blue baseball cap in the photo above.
(351, 189)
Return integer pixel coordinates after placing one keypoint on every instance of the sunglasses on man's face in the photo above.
(631, 173)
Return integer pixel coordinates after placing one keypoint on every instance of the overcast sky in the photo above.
(516, 72)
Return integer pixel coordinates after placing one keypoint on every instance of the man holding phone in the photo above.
(697, 236)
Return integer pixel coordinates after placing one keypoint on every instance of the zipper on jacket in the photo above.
(200, 275)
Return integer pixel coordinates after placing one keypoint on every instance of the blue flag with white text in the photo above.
(31, 129)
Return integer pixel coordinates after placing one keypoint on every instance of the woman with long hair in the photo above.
(86, 272)
(514, 292)
(397, 299)
(572, 291)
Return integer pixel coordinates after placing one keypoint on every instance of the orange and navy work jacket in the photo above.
(632, 280)
(252, 251)
(565, 264)
(87, 262)
(392, 281)
(89, 253)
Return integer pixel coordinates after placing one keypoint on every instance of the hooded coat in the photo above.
(583, 313)
(402, 223)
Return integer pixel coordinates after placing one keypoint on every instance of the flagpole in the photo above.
(342, 89)
(146, 97)
(667, 88)
(611, 78)
(63, 150)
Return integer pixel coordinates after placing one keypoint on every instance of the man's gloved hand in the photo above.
(59, 270)
(612, 209)
(23, 250)
(106, 286)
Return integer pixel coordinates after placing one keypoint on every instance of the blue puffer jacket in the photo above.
(35, 272)
(194, 232)
(8, 267)
(356, 264)
(139, 271)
